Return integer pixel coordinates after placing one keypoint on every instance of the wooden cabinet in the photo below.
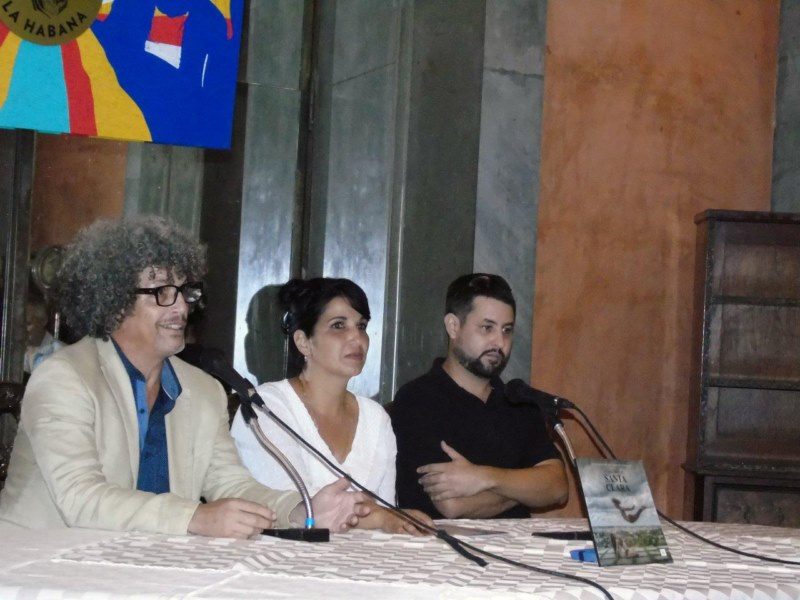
(744, 437)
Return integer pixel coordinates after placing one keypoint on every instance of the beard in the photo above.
(475, 366)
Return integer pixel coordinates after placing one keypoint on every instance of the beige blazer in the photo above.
(76, 456)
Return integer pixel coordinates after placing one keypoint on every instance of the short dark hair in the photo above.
(304, 300)
(102, 265)
(462, 292)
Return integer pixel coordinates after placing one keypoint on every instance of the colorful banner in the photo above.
(140, 70)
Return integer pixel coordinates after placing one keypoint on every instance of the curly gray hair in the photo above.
(102, 265)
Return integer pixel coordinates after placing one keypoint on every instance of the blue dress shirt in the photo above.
(153, 457)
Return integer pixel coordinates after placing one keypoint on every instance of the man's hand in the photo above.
(337, 509)
(455, 479)
(231, 517)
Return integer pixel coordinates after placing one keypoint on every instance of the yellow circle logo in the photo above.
(49, 22)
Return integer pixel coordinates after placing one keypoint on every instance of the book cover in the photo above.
(622, 515)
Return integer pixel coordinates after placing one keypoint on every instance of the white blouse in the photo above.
(371, 461)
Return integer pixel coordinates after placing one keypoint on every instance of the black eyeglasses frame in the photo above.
(186, 290)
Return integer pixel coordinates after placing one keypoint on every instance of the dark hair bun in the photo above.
(291, 296)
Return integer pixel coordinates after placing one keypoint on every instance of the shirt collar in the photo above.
(169, 380)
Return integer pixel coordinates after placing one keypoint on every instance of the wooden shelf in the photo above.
(721, 300)
(744, 426)
(748, 469)
(746, 216)
(755, 383)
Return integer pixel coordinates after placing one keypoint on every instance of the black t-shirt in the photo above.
(496, 433)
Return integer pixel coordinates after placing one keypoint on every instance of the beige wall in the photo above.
(76, 181)
(654, 111)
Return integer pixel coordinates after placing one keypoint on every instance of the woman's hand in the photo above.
(386, 520)
(335, 507)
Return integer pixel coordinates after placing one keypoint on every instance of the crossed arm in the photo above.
(460, 488)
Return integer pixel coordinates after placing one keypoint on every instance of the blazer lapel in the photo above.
(121, 390)
(180, 439)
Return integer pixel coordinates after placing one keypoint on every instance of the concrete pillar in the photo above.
(508, 168)
(786, 148)
(264, 171)
(16, 166)
(395, 166)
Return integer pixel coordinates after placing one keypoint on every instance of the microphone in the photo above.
(519, 392)
(213, 361)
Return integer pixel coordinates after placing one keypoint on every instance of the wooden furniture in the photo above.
(744, 437)
(10, 397)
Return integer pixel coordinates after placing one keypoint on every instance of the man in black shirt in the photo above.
(464, 451)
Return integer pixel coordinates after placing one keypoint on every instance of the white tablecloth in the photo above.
(96, 565)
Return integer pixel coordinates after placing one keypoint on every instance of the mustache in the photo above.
(497, 351)
(174, 321)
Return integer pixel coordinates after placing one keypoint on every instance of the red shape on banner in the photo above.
(79, 91)
(167, 30)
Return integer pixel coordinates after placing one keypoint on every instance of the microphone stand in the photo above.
(309, 533)
(558, 427)
(551, 411)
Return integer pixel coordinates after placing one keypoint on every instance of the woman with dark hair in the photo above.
(326, 322)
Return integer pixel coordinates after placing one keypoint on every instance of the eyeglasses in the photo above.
(167, 295)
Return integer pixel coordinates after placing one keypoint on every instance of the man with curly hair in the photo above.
(116, 432)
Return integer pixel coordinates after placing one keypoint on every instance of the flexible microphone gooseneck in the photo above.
(218, 367)
(519, 392)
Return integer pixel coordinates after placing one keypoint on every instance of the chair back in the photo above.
(10, 399)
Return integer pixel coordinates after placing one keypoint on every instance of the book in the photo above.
(623, 518)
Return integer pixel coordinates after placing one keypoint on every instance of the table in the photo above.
(80, 563)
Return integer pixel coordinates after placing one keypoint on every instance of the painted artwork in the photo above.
(144, 70)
